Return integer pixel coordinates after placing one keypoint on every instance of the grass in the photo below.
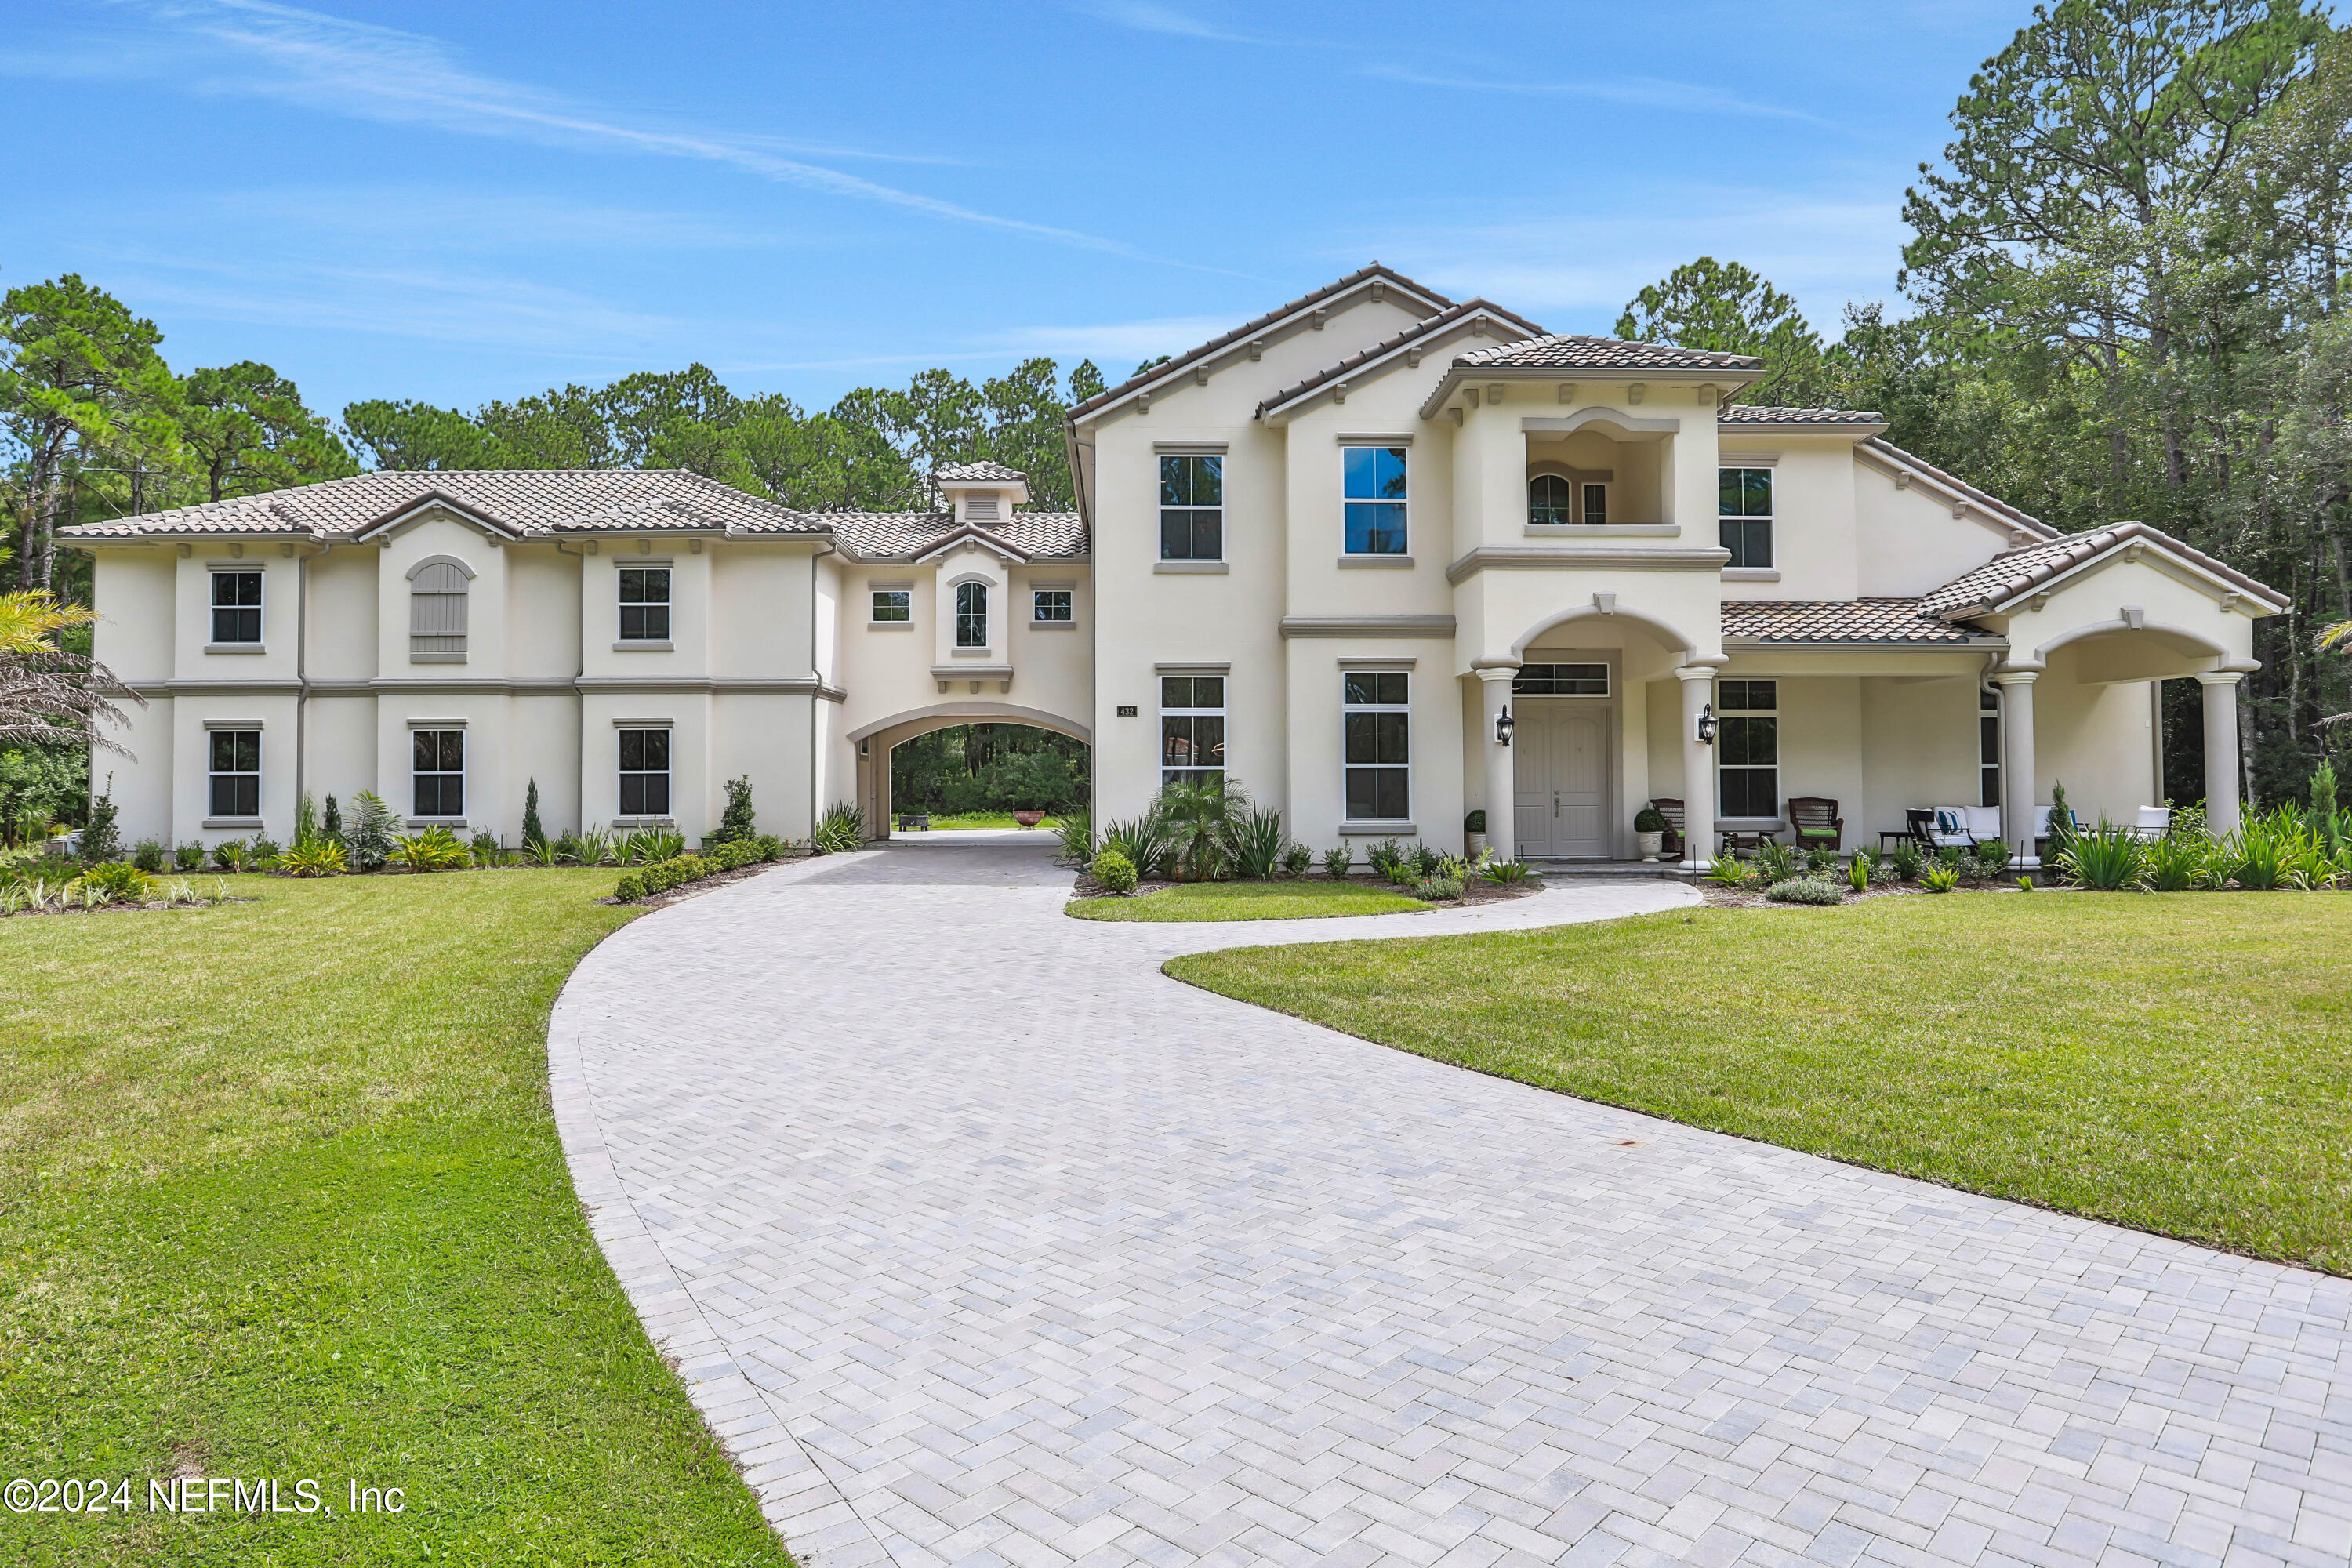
(1248, 901)
(2176, 1063)
(280, 1195)
(987, 819)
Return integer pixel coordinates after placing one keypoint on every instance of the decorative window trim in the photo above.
(437, 723)
(1407, 663)
(1068, 591)
(235, 724)
(436, 772)
(1190, 717)
(1725, 714)
(1350, 707)
(1195, 667)
(1770, 518)
(1746, 460)
(644, 723)
(623, 774)
(213, 776)
(964, 616)
(1191, 449)
(1351, 439)
(667, 602)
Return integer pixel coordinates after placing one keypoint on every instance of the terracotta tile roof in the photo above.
(525, 502)
(2010, 576)
(1837, 620)
(1469, 310)
(1430, 297)
(885, 535)
(1561, 350)
(1991, 505)
(976, 473)
(1764, 414)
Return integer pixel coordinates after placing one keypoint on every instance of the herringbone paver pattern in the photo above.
(980, 1242)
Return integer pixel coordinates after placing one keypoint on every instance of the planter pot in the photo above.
(1028, 818)
(1475, 843)
(916, 821)
(1650, 844)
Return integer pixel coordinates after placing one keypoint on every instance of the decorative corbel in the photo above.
(2039, 602)
(1494, 393)
(2226, 603)
(1457, 411)
(236, 550)
(1960, 509)
(1320, 316)
(285, 550)
(1338, 391)
(1257, 348)
(1635, 393)
(187, 549)
(1379, 290)
(2132, 616)
(694, 545)
(1143, 402)
(645, 547)
(589, 548)
(1568, 392)
(1902, 479)
(1470, 396)
(1705, 395)
(1605, 603)
(1200, 374)
(1412, 357)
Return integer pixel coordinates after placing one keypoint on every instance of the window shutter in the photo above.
(436, 615)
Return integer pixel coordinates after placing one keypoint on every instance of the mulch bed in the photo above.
(686, 890)
(1474, 892)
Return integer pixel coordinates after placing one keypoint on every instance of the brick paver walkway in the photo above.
(979, 1241)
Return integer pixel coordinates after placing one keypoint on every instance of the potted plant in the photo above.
(1650, 833)
(1474, 834)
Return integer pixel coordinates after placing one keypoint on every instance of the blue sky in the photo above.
(462, 201)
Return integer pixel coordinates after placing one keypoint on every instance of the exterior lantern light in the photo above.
(1706, 725)
(1504, 725)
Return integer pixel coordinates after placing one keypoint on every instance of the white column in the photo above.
(1699, 769)
(1502, 780)
(2017, 790)
(2220, 691)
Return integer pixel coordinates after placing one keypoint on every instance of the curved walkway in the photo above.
(979, 1241)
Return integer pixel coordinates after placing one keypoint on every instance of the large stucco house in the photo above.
(1328, 554)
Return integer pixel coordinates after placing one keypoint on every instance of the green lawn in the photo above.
(2180, 1063)
(1248, 901)
(280, 1195)
(987, 819)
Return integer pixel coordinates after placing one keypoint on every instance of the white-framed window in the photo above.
(1547, 501)
(1988, 746)
(1191, 506)
(437, 611)
(644, 773)
(645, 603)
(1562, 680)
(235, 761)
(1748, 748)
(1744, 507)
(971, 614)
(437, 771)
(1596, 503)
(893, 606)
(1191, 727)
(1379, 744)
(1053, 606)
(1374, 483)
(236, 606)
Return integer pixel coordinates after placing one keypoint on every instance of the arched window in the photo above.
(971, 614)
(1548, 500)
(436, 610)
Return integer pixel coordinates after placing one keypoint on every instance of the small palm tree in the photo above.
(48, 695)
(1201, 813)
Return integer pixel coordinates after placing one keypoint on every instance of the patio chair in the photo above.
(1950, 824)
(1672, 810)
(2152, 821)
(1815, 822)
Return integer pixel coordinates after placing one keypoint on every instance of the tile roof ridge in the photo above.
(1450, 316)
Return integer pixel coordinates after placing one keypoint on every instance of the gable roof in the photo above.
(1428, 298)
(1472, 311)
(2011, 577)
(981, 472)
(1962, 494)
(905, 535)
(524, 503)
(1570, 351)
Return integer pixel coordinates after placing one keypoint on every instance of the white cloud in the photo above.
(1648, 93)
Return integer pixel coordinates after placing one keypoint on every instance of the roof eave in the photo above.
(1328, 381)
(1458, 375)
(1853, 431)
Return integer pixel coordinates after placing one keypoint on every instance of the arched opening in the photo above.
(978, 776)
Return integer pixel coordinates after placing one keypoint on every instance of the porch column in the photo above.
(1699, 769)
(1502, 778)
(2221, 788)
(2017, 790)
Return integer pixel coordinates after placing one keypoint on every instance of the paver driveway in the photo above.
(979, 1241)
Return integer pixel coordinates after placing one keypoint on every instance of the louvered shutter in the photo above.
(436, 615)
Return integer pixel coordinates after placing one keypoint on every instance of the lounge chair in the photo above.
(2152, 821)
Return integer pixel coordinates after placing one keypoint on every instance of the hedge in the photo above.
(676, 872)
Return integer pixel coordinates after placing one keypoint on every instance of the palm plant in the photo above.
(841, 829)
(49, 696)
(434, 849)
(318, 858)
(1200, 813)
(370, 836)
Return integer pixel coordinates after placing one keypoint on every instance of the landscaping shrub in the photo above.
(232, 854)
(265, 851)
(1729, 872)
(434, 849)
(2109, 857)
(331, 824)
(189, 857)
(1819, 861)
(100, 838)
(1857, 872)
(735, 823)
(306, 818)
(1803, 891)
(370, 838)
(2179, 861)
(1474, 823)
(2061, 819)
(1113, 871)
(594, 848)
(113, 882)
(1298, 859)
(1338, 862)
(1427, 861)
(150, 856)
(663, 875)
(533, 834)
(1776, 862)
(319, 858)
(1255, 840)
(1992, 857)
(1507, 873)
(1384, 858)
(485, 846)
(841, 829)
(1075, 829)
(1908, 861)
(1201, 814)
(2266, 850)
(1445, 887)
(1940, 877)
(1650, 819)
(1143, 839)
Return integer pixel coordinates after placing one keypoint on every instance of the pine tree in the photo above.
(333, 828)
(532, 833)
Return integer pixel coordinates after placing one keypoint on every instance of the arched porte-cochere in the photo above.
(877, 740)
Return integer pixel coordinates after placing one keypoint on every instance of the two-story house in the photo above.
(1384, 558)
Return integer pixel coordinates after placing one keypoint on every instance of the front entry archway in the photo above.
(1563, 756)
(876, 742)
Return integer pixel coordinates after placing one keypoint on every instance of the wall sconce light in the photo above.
(1706, 725)
(1504, 725)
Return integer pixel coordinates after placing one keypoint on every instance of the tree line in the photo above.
(2123, 297)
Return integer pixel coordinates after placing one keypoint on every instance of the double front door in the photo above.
(1562, 761)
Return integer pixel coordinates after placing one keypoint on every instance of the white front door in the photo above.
(1562, 772)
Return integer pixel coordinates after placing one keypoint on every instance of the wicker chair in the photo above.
(1672, 810)
(1815, 822)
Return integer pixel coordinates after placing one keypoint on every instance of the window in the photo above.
(1748, 741)
(1051, 607)
(1192, 508)
(1548, 505)
(1191, 727)
(644, 773)
(1746, 505)
(1989, 747)
(237, 772)
(236, 606)
(1379, 776)
(1562, 680)
(971, 614)
(436, 613)
(893, 605)
(645, 603)
(437, 771)
(1375, 499)
(1596, 506)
